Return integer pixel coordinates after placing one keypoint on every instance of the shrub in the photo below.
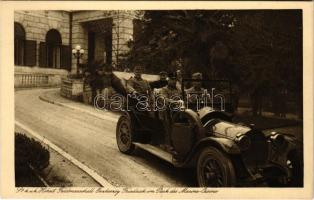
(28, 151)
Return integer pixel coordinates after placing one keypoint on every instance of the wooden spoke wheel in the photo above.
(124, 135)
(215, 169)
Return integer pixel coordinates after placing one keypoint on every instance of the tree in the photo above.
(258, 50)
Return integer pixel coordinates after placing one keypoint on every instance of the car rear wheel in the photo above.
(124, 135)
(215, 169)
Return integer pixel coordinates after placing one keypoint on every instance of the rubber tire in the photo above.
(226, 166)
(297, 171)
(130, 147)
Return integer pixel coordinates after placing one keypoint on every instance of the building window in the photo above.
(25, 51)
(52, 54)
(54, 42)
(19, 42)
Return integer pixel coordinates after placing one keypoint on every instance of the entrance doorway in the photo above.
(99, 40)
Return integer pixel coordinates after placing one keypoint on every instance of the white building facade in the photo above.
(43, 41)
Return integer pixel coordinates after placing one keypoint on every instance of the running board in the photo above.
(155, 151)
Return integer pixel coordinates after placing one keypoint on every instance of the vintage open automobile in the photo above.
(224, 153)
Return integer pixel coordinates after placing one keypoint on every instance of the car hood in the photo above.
(229, 130)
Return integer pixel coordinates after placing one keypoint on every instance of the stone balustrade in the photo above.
(32, 80)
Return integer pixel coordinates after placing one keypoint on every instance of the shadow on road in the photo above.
(185, 177)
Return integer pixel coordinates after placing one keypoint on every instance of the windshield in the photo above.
(206, 93)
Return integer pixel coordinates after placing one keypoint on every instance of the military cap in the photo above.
(197, 75)
(162, 73)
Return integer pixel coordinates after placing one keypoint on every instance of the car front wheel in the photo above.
(215, 169)
(124, 135)
(295, 165)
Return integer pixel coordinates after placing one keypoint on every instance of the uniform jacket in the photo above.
(141, 86)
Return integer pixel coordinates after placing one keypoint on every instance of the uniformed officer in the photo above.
(171, 95)
(107, 73)
(179, 79)
(195, 94)
(87, 92)
(108, 90)
(105, 78)
(170, 92)
(98, 81)
(137, 84)
(162, 82)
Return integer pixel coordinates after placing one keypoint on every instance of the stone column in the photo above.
(79, 37)
(122, 32)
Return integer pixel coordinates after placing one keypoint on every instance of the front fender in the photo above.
(223, 144)
(294, 142)
(135, 122)
(279, 155)
(193, 117)
(128, 114)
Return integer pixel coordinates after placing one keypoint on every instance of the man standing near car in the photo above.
(179, 79)
(110, 80)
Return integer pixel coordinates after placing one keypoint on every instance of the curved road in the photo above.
(92, 141)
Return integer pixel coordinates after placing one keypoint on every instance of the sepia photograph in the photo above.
(161, 100)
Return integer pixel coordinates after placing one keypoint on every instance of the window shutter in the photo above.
(30, 52)
(19, 45)
(66, 57)
(42, 54)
